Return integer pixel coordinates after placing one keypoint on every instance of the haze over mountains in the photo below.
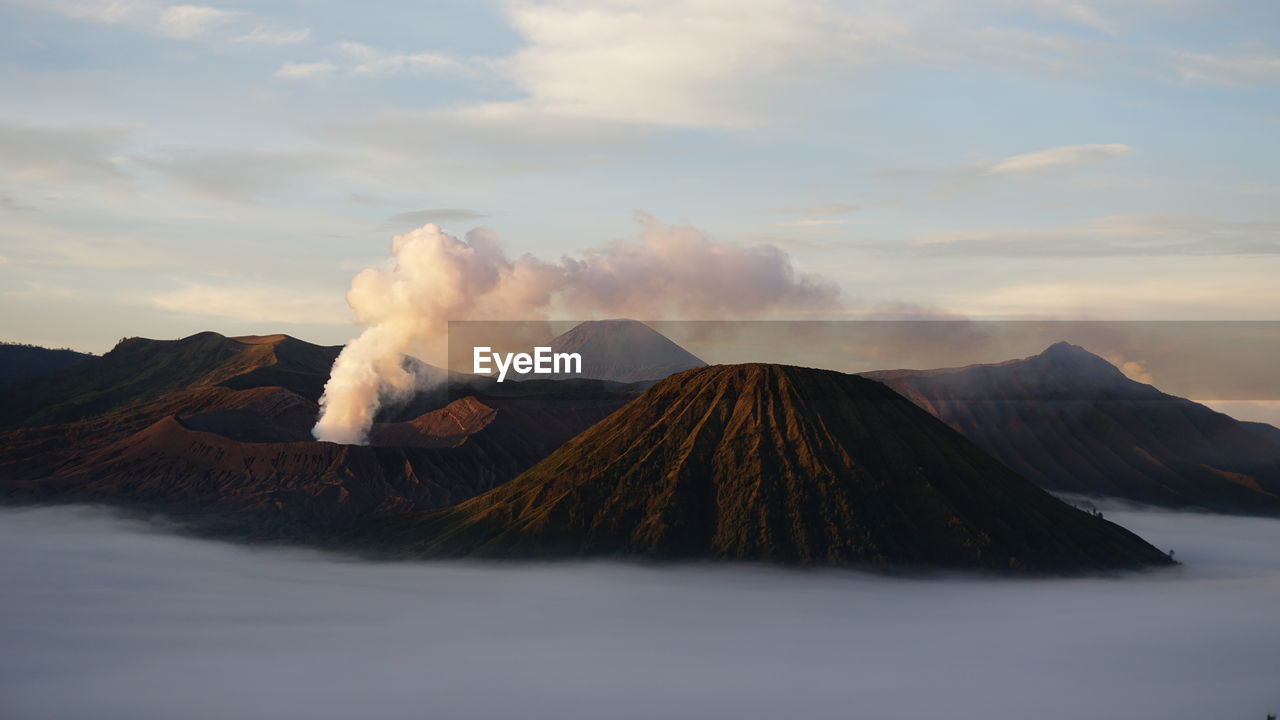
(1072, 422)
(731, 462)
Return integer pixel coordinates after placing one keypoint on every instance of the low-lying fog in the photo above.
(106, 618)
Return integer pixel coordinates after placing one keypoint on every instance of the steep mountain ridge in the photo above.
(140, 369)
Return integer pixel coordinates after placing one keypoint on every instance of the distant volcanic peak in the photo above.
(1065, 351)
(1063, 357)
(1063, 348)
(784, 464)
(621, 331)
(624, 350)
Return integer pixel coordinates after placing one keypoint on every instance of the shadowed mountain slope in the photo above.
(218, 430)
(1263, 430)
(22, 362)
(775, 463)
(1071, 421)
(138, 370)
(279, 483)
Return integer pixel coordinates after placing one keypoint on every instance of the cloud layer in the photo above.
(194, 628)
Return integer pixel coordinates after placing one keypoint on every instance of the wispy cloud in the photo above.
(814, 222)
(244, 174)
(254, 303)
(818, 209)
(266, 35)
(305, 70)
(1135, 235)
(418, 218)
(368, 60)
(818, 214)
(179, 21)
(1228, 69)
(34, 153)
(1186, 295)
(360, 60)
(1077, 12)
(1059, 157)
(188, 21)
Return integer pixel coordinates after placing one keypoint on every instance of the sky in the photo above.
(169, 168)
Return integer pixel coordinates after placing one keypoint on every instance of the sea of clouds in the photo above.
(103, 617)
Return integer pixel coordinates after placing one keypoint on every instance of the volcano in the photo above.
(1072, 422)
(773, 463)
(624, 351)
(216, 431)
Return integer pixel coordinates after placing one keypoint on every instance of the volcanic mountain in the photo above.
(774, 463)
(624, 351)
(139, 369)
(1071, 421)
(216, 430)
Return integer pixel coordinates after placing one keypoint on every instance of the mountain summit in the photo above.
(624, 351)
(775, 463)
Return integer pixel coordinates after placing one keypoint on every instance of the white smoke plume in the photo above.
(667, 273)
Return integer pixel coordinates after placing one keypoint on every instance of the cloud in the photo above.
(253, 303)
(478, 141)
(702, 63)
(94, 601)
(37, 239)
(1245, 294)
(974, 176)
(1077, 12)
(1228, 70)
(821, 209)
(359, 60)
(265, 35)
(1059, 157)
(810, 223)
(418, 218)
(188, 21)
(822, 214)
(181, 22)
(12, 204)
(1135, 370)
(376, 62)
(1133, 234)
(241, 175)
(31, 153)
(305, 70)
(1264, 411)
